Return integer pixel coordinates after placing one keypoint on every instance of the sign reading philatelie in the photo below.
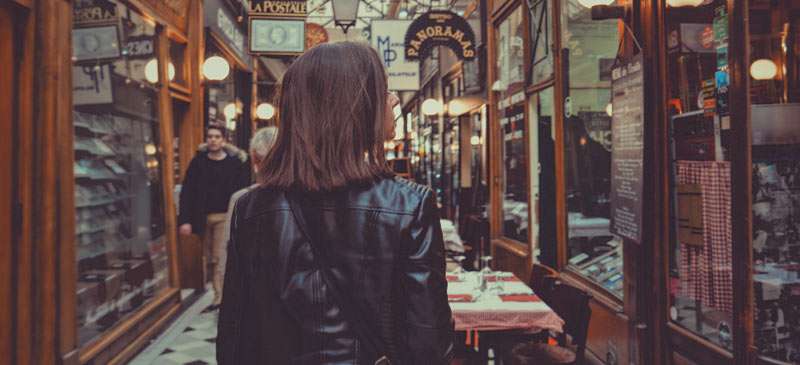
(387, 39)
(440, 28)
(278, 8)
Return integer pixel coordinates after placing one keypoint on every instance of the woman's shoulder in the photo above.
(395, 194)
(255, 200)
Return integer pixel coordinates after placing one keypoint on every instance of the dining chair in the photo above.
(572, 305)
(542, 280)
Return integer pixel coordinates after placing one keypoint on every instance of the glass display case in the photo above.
(119, 206)
(589, 48)
(775, 106)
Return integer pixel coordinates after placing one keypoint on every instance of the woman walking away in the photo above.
(332, 260)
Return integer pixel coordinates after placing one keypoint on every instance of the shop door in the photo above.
(7, 83)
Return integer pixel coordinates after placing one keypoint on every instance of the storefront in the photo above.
(711, 275)
(104, 111)
(445, 123)
(229, 96)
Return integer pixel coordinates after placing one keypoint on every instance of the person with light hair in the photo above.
(260, 144)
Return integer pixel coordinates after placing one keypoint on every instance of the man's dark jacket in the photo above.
(194, 192)
(387, 254)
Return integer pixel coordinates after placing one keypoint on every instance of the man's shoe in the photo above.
(211, 308)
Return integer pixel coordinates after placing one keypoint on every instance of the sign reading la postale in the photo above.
(85, 12)
(278, 8)
(439, 28)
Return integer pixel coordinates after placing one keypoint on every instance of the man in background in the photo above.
(214, 174)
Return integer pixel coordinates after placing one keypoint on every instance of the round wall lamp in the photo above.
(265, 111)
(151, 71)
(216, 68)
(763, 69)
(229, 111)
(681, 3)
(432, 107)
(457, 107)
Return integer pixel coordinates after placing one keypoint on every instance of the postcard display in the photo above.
(119, 205)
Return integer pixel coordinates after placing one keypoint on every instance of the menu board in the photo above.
(627, 154)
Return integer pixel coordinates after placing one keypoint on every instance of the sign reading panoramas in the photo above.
(278, 8)
(388, 40)
(439, 28)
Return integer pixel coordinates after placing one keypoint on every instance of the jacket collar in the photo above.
(230, 149)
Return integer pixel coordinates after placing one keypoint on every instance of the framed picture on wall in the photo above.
(277, 36)
(95, 43)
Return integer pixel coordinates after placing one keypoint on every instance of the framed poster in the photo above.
(91, 85)
(95, 43)
(277, 36)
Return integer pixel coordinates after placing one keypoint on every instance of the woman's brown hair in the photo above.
(331, 110)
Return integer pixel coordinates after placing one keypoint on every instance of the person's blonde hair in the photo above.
(262, 142)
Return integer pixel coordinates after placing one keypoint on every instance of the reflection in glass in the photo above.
(511, 114)
(119, 207)
(589, 52)
(701, 270)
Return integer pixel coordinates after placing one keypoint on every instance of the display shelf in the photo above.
(106, 201)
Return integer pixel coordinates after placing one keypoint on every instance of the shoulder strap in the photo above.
(371, 340)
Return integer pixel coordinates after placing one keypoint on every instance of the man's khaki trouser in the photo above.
(215, 251)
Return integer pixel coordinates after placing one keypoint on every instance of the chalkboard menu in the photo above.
(627, 154)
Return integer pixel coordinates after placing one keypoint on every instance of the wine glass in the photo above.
(459, 271)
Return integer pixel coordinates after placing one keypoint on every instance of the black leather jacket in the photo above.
(388, 256)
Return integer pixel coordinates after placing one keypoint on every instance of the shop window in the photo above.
(511, 116)
(541, 41)
(119, 197)
(701, 267)
(177, 56)
(542, 109)
(589, 48)
(775, 99)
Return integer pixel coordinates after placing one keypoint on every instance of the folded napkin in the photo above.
(520, 298)
(459, 298)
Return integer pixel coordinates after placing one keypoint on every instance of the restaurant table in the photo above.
(513, 308)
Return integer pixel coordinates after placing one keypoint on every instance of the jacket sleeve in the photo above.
(234, 293)
(188, 195)
(427, 331)
(245, 175)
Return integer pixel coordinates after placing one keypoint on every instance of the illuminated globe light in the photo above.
(216, 68)
(229, 111)
(151, 71)
(265, 111)
(150, 149)
(432, 107)
(763, 69)
(610, 110)
(590, 3)
(457, 107)
(475, 140)
(682, 3)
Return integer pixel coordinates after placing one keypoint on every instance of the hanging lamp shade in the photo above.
(345, 13)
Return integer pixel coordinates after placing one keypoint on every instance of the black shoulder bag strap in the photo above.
(365, 335)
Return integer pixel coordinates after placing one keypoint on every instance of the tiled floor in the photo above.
(191, 340)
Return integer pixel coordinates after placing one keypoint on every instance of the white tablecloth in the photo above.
(490, 313)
